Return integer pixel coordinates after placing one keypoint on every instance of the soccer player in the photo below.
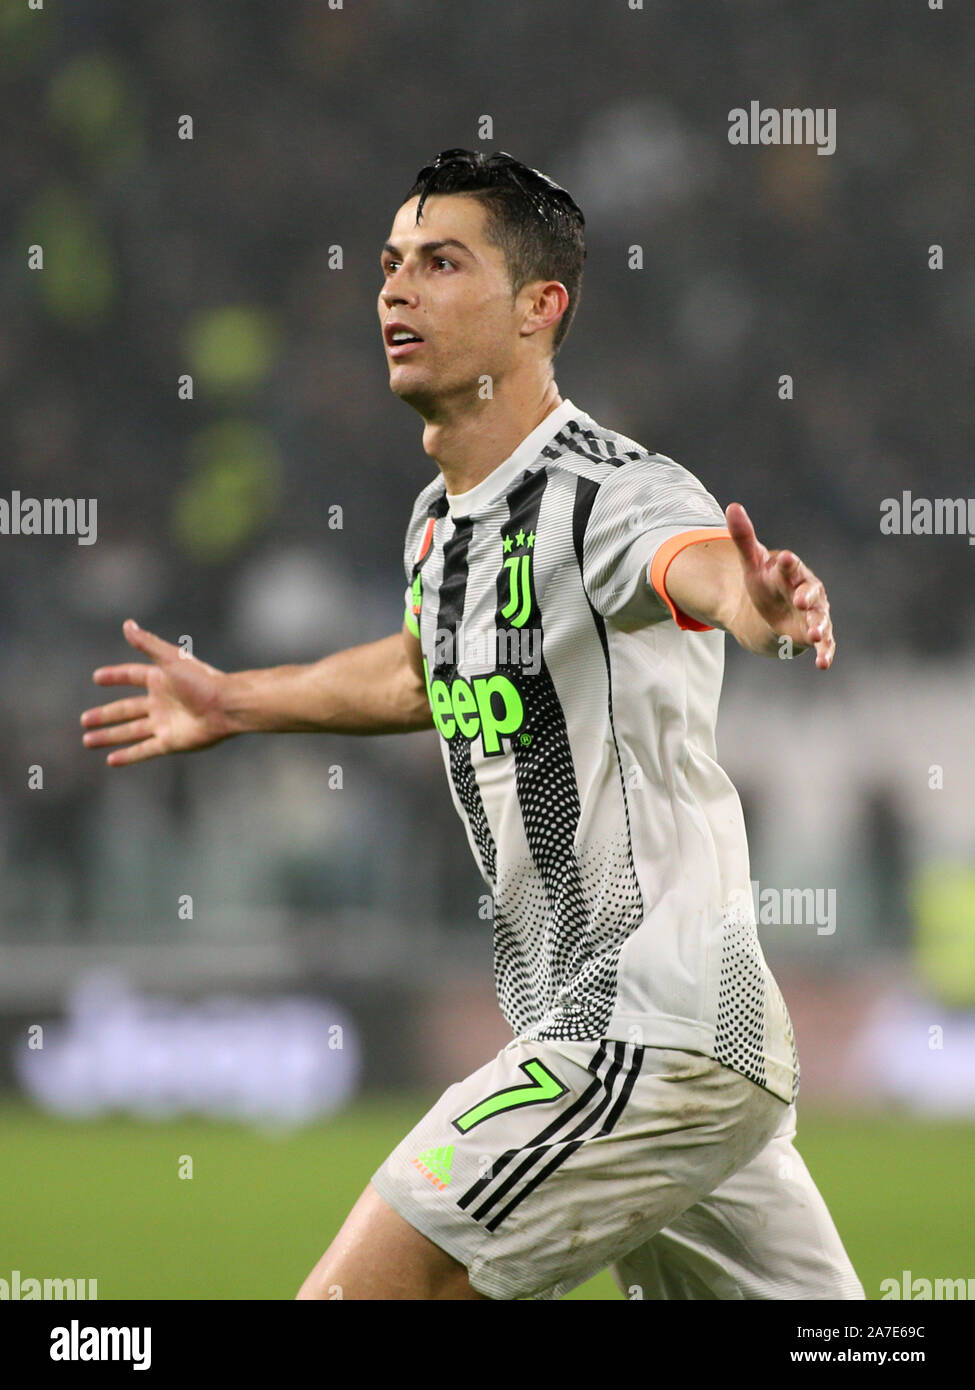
(568, 592)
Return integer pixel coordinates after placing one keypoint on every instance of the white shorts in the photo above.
(556, 1160)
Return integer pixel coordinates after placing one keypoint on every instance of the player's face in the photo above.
(448, 286)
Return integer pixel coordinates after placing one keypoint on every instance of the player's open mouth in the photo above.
(400, 339)
(401, 349)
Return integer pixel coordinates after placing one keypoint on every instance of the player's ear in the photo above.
(547, 301)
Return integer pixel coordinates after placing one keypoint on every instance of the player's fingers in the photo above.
(135, 707)
(826, 649)
(820, 623)
(118, 733)
(147, 642)
(126, 674)
(809, 596)
(135, 753)
(819, 633)
(814, 620)
(791, 568)
(742, 532)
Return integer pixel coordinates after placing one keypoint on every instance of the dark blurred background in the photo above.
(336, 867)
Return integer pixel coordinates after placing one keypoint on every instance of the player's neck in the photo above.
(468, 444)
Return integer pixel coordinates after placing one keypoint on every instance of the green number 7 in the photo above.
(544, 1088)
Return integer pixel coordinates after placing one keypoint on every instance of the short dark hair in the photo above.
(535, 224)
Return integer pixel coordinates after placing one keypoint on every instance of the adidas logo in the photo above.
(435, 1165)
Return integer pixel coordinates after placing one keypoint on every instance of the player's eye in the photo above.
(442, 260)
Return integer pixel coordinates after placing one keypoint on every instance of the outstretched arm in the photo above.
(378, 688)
(757, 595)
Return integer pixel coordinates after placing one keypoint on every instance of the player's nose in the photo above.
(397, 292)
(398, 287)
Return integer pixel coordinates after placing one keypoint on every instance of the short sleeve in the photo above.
(642, 517)
(419, 535)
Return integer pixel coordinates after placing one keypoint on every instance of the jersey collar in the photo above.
(500, 479)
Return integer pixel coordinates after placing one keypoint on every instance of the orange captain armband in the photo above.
(661, 563)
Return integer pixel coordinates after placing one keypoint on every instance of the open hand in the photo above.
(180, 711)
(784, 591)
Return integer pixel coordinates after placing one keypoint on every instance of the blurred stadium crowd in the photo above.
(215, 257)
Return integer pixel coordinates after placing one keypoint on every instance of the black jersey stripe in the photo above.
(550, 1129)
(453, 592)
(453, 589)
(585, 499)
(631, 908)
(534, 1153)
(566, 1151)
(545, 779)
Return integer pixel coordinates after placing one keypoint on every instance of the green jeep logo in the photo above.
(487, 705)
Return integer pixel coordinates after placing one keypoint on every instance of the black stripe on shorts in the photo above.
(540, 1146)
(565, 1150)
(551, 1128)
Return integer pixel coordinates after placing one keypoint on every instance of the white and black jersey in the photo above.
(577, 709)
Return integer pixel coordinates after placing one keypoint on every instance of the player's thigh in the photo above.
(379, 1255)
(764, 1233)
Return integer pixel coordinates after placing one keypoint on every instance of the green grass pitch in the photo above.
(102, 1199)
